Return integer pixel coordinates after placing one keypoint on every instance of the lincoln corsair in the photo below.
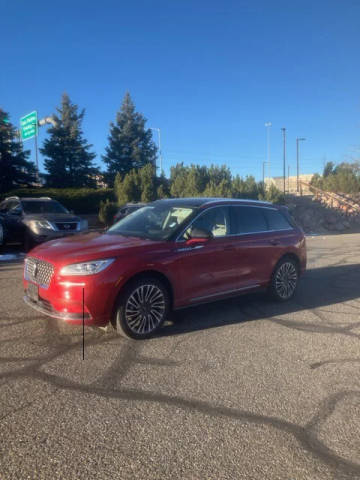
(168, 255)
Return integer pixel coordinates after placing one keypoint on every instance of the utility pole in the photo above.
(268, 126)
(284, 160)
(297, 163)
(288, 178)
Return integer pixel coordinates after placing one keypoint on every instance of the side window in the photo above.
(16, 208)
(247, 220)
(214, 220)
(276, 220)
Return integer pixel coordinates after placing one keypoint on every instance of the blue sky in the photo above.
(209, 74)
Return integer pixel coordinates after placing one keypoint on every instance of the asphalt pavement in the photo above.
(240, 389)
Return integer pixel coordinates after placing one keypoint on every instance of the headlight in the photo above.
(84, 224)
(37, 225)
(86, 268)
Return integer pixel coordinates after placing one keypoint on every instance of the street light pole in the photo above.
(268, 126)
(159, 143)
(284, 160)
(297, 163)
(264, 163)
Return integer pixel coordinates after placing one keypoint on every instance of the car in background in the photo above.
(35, 220)
(168, 255)
(126, 209)
(2, 233)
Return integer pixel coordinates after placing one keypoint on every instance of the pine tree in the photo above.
(15, 169)
(69, 161)
(130, 143)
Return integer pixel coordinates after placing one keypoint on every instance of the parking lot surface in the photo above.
(239, 389)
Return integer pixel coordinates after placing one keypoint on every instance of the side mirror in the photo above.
(72, 212)
(198, 235)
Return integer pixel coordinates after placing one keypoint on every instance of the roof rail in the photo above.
(45, 198)
(12, 198)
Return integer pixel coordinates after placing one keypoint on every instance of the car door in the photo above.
(13, 221)
(207, 268)
(254, 245)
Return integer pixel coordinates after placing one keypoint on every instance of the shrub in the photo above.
(274, 195)
(107, 211)
(81, 200)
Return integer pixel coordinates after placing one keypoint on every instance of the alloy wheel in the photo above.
(145, 309)
(286, 280)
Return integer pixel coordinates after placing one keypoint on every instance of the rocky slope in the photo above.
(315, 217)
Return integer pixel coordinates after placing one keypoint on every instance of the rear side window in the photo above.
(276, 220)
(247, 220)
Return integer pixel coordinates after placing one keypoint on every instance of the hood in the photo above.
(52, 217)
(89, 246)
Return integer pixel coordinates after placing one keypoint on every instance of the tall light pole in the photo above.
(284, 155)
(263, 172)
(299, 139)
(159, 143)
(268, 126)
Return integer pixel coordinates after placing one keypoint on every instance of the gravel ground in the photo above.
(239, 389)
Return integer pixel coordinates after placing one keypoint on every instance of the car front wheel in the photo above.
(284, 280)
(142, 308)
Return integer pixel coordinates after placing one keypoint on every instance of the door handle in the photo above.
(275, 242)
(229, 247)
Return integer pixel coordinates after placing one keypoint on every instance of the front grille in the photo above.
(38, 271)
(66, 226)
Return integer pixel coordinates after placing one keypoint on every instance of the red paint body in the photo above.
(222, 267)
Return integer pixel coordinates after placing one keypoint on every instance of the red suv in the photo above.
(167, 255)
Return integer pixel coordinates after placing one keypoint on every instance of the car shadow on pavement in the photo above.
(318, 289)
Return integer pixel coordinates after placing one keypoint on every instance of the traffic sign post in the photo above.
(29, 126)
(29, 129)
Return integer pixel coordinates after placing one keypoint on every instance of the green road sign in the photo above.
(29, 126)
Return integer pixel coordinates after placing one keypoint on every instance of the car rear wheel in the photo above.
(142, 308)
(284, 280)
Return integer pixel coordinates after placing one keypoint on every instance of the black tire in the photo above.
(284, 280)
(142, 308)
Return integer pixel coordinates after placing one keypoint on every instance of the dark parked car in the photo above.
(168, 255)
(126, 209)
(35, 220)
(2, 233)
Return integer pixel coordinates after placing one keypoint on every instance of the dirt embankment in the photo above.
(317, 217)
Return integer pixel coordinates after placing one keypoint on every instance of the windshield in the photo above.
(36, 206)
(156, 222)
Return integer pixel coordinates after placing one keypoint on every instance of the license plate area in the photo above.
(33, 292)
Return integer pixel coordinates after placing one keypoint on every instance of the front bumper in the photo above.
(47, 309)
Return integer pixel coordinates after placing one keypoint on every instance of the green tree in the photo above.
(15, 169)
(130, 143)
(328, 169)
(68, 159)
(163, 187)
(147, 183)
(178, 178)
(130, 188)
